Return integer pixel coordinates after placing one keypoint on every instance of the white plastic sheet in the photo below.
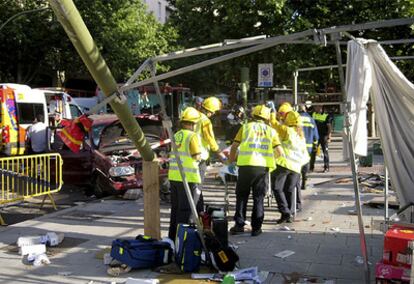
(368, 66)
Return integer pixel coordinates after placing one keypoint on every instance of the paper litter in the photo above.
(141, 281)
(284, 254)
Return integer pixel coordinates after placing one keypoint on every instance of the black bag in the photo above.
(143, 252)
(224, 258)
(220, 230)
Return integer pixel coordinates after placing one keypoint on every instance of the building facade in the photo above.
(160, 8)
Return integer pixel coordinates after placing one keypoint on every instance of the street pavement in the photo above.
(324, 237)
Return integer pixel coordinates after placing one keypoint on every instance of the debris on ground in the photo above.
(335, 229)
(141, 281)
(378, 202)
(284, 254)
(65, 273)
(133, 194)
(285, 228)
(352, 212)
(246, 275)
(296, 277)
(308, 219)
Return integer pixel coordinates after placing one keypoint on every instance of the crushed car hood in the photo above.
(114, 137)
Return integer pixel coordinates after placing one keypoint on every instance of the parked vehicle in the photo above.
(60, 101)
(109, 161)
(19, 106)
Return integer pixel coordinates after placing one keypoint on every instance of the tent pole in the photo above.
(386, 196)
(353, 163)
(295, 88)
(166, 122)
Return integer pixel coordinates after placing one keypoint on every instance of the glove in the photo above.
(232, 168)
(271, 105)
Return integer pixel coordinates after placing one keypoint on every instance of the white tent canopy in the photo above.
(370, 71)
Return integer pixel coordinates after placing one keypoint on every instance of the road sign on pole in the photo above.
(265, 75)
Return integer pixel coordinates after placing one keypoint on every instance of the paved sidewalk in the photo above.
(319, 251)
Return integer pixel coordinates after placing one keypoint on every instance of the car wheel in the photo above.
(98, 187)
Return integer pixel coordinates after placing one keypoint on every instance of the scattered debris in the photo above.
(107, 258)
(289, 237)
(330, 180)
(308, 219)
(335, 229)
(33, 249)
(315, 193)
(40, 259)
(133, 194)
(65, 273)
(241, 242)
(359, 260)
(285, 228)
(378, 202)
(248, 275)
(284, 254)
(352, 212)
(142, 281)
(118, 270)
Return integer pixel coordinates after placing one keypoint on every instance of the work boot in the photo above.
(236, 230)
(256, 232)
(285, 218)
(303, 185)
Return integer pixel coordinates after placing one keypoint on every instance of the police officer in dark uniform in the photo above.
(324, 124)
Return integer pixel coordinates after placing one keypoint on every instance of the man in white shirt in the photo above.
(37, 136)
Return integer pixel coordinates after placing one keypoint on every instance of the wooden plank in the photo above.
(152, 225)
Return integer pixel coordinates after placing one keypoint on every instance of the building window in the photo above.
(160, 11)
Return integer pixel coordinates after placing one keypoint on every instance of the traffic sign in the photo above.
(265, 75)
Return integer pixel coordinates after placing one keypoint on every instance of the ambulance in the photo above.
(19, 105)
(58, 101)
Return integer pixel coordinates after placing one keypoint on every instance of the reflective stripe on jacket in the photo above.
(190, 166)
(296, 154)
(256, 146)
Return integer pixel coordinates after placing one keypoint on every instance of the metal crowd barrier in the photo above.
(28, 176)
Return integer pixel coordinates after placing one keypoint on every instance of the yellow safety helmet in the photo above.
(261, 111)
(293, 118)
(212, 104)
(284, 109)
(190, 114)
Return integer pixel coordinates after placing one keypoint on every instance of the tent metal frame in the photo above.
(250, 45)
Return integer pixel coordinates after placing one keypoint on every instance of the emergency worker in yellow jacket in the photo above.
(287, 174)
(204, 128)
(281, 113)
(258, 144)
(189, 149)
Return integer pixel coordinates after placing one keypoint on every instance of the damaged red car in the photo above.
(108, 162)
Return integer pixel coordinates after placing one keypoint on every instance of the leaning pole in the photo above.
(68, 15)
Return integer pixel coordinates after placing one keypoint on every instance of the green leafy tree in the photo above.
(204, 22)
(125, 33)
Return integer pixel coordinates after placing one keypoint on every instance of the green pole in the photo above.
(78, 33)
(244, 80)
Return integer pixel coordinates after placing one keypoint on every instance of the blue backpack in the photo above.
(143, 252)
(188, 248)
